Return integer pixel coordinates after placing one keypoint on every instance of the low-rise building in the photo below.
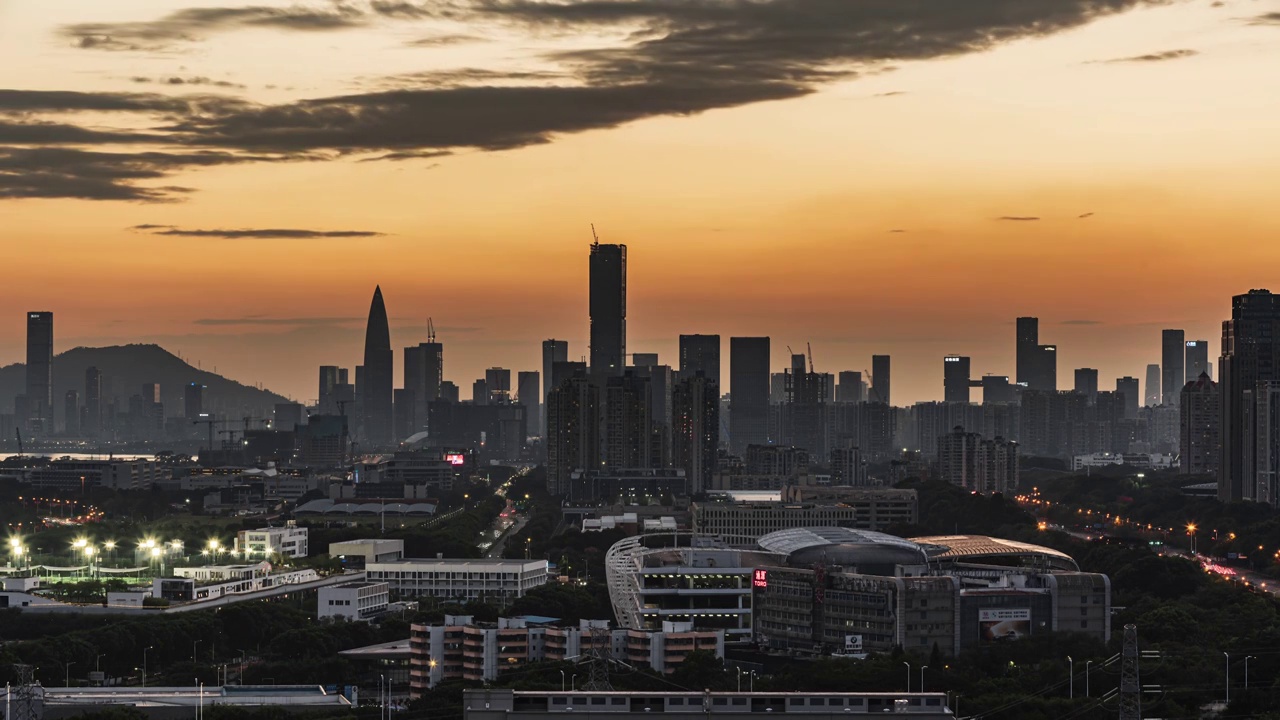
(740, 524)
(353, 601)
(212, 582)
(288, 541)
(80, 475)
(355, 554)
(488, 580)
(462, 649)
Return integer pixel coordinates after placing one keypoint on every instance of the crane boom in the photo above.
(431, 331)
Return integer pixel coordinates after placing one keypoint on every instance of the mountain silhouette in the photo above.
(126, 368)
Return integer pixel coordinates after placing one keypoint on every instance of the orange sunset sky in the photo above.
(870, 176)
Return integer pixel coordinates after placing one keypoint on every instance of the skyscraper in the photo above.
(608, 308)
(71, 413)
(378, 377)
(328, 381)
(1153, 385)
(498, 381)
(700, 354)
(192, 401)
(1087, 383)
(1037, 364)
(92, 421)
(529, 393)
(1173, 347)
(553, 351)
(748, 393)
(695, 434)
(1250, 356)
(955, 379)
(573, 431)
(1200, 445)
(630, 440)
(880, 379)
(644, 359)
(1197, 360)
(40, 372)
(1128, 388)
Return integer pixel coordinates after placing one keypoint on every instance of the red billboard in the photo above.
(760, 578)
(456, 458)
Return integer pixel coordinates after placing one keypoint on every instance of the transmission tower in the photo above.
(1130, 689)
(27, 698)
(598, 660)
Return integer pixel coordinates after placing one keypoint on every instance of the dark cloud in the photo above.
(50, 172)
(1080, 322)
(1082, 216)
(401, 10)
(261, 233)
(1155, 57)
(65, 101)
(409, 155)
(1271, 18)
(197, 80)
(463, 77)
(894, 93)
(51, 133)
(260, 320)
(897, 231)
(193, 24)
(442, 40)
(1018, 218)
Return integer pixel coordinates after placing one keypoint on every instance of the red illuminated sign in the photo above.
(456, 459)
(759, 578)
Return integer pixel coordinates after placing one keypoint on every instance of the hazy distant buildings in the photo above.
(1128, 388)
(700, 354)
(574, 420)
(71, 413)
(1197, 356)
(1172, 361)
(1037, 365)
(851, 388)
(997, 390)
(967, 460)
(608, 308)
(955, 379)
(1266, 443)
(641, 360)
(423, 377)
(378, 375)
(1200, 443)
(1250, 356)
(1087, 383)
(39, 386)
(880, 377)
(749, 393)
(498, 382)
(91, 421)
(1154, 380)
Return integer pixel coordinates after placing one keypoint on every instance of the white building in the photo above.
(359, 553)
(287, 541)
(353, 601)
(1141, 461)
(488, 580)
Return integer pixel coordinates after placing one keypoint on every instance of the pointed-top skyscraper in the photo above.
(378, 374)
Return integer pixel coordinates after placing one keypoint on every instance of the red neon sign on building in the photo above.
(760, 578)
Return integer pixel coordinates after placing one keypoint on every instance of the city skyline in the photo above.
(757, 215)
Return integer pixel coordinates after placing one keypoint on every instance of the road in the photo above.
(496, 550)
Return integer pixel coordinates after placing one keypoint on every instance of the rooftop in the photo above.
(793, 539)
(960, 547)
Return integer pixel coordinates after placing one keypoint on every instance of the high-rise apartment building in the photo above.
(1250, 356)
(480, 392)
(986, 466)
(1200, 444)
(1173, 347)
(997, 390)
(529, 394)
(328, 381)
(630, 437)
(641, 360)
(39, 372)
(71, 413)
(850, 388)
(1153, 385)
(1198, 360)
(1087, 383)
(700, 354)
(553, 351)
(378, 377)
(1266, 443)
(955, 379)
(1128, 388)
(880, 388)
(695, 435)
(192, 401)
(749, 393)
(573, 431)
(608, 308)
(91, 423)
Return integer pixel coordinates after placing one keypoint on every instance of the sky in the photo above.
(232, 181)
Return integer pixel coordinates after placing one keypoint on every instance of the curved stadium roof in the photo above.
(792, 540)
(977, 547)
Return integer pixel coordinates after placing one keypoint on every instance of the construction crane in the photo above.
(431, 331)
(809, 348)
(595, 239)
(19, 432)
(210, 422)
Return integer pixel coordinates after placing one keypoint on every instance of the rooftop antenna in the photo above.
(431, 331)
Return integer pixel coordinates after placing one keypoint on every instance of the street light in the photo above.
(908, 675)
(1191, 530)
(562, 681)
(1246, 670)
(67, 670)
(1072, 683)
(144, 664)
(1086, 677)
(922, 669)
(1228, 657)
